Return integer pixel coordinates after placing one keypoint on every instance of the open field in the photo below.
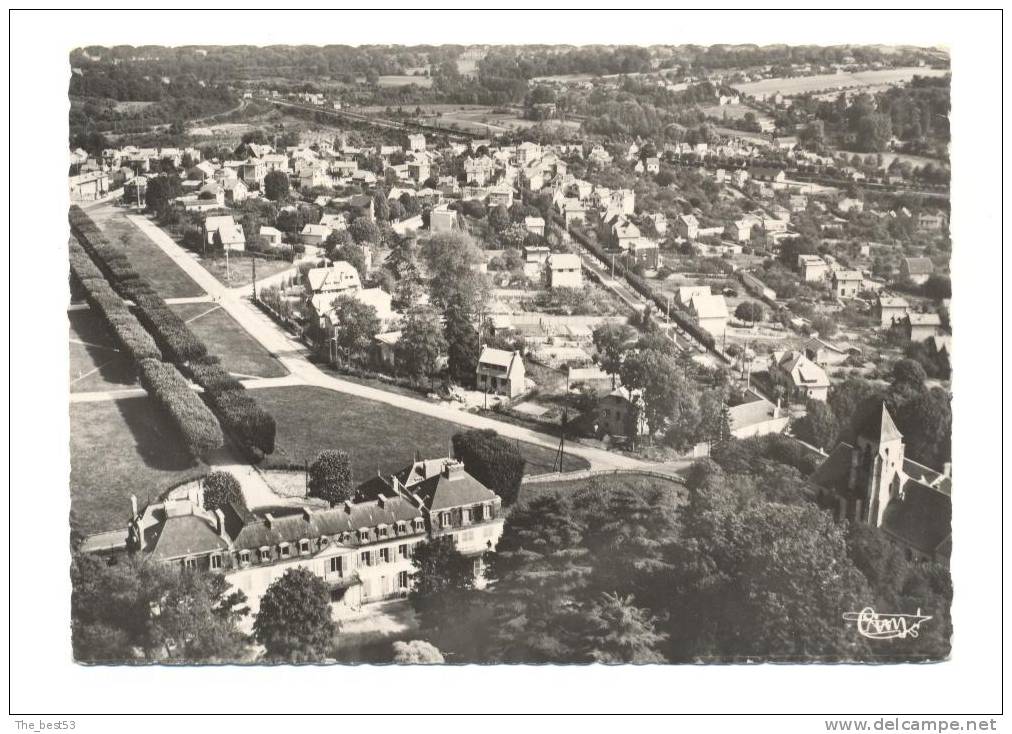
(484, 120)
(240, 353)
(825, 82)
(95, 361)
(627, 481)
(427, 109)
(240, 269)
(424, 82)
(119, 448)
(377, 436)
(145, 256)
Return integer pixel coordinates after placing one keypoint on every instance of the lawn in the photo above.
(95, 362)
(148, 259)
(376, 435)
(240, 353)
(629, 481)
(239, 271)
(800, 85)
(119, 448)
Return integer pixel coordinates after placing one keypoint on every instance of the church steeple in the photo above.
(876, 467)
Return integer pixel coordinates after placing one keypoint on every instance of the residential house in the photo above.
(272, 237)
(224, 232)
(442, 219)
(500, 195)
(416, 142)
(686, 293)
(823, 353)
(338, 277)
(813, 268)
(847, 283)
(916, 269)
(873, 482)
(757, 416)
(314, 234)
(847, 205)
(653, 165)
(892, 310)
(501, 372)
(765, 173)
(478, 171)
(931, 221)
(621, 413)
(687, 226)
(89, 186)
(643, 251)
(535, 225)
(236, 191)
(564, 270)
(740, 230)
(921, 326)
(807, 380)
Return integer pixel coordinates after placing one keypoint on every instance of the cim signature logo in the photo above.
(877, 626)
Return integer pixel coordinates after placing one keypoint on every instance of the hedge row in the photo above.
(237, 410)
(179, 344)
(131, 335)
(640, 285)
(195, 421)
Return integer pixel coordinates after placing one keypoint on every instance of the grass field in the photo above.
(119, 448)
(95, 362)
(377, 436)
(424, 82)
(147, 258)
(240, 269)
(487, 121)
(822, 82)
(240, 353)
(631, 481)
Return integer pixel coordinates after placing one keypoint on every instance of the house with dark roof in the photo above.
(872, 481)
(807, 380)
(362, 549)
(916, 269)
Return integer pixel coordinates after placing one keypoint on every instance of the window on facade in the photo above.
(244, 557)
(465, 516)
(402, 580)
(337, 565)
(365, 559)
(382, 532)
(190, 564)
(215, 562)
(363, 535)
(486, 512)
(419, 524)
(385, 555)
(445, 521)
(286, 550)
(402, 550)
(303, 546)
(402, 527)
(265, 554)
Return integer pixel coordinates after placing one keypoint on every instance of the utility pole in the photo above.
(613, 266)
(254, 277)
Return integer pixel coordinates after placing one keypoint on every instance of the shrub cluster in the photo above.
(195, 421)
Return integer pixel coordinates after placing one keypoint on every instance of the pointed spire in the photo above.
(879, 425)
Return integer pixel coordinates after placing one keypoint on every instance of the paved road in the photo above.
(293, 356)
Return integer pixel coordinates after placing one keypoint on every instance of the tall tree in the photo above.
(294, 622)
(462, 342)
(617, 631)
(220, 488)
(612, 342)
(818, 426)
(358, 326)
(492, 460)
(276, 185)
(421, 346)
(330, 477)
(416, 652)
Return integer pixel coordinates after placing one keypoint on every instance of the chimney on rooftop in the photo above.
(381, 500)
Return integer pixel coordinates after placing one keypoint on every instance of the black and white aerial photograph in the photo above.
(410, 347)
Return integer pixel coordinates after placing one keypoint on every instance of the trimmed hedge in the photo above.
(129, 332)
(200, 429)
(238, 412)
(244, 416)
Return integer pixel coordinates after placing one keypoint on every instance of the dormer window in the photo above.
(363, 535)
(486, 512)
(244, 556)
(324, 541)
(419, 524)
(382, 531)
(190, 564)
(265, 554)
(303, 546)
(445, 519)
(286, 550)
(402, 527)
